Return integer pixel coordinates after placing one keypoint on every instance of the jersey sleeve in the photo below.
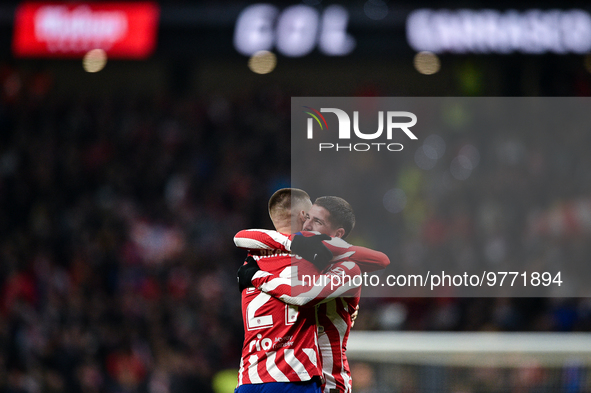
(305, 287)
(262, 239)
(367, 259)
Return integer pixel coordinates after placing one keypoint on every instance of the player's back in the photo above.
(279, 339)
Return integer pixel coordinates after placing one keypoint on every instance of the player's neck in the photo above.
(283, 226)
(284, 229)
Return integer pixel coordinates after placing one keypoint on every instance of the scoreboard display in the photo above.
(294, 31)
(137, 29)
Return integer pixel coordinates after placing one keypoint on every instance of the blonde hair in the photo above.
(283, 201)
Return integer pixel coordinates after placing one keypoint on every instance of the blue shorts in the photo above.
(311, 386)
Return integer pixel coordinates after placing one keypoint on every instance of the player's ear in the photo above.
(339, 233)
(302, 216)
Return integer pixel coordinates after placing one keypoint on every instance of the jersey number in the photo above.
(254, 322)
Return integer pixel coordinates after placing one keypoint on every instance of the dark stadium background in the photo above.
(120, 192)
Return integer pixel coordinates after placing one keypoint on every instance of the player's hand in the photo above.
(245, 273)
(312, 249)
(354, 316)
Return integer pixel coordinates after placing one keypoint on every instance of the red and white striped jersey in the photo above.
(262, 241)
(334, 305)
(335, 293)
(280, 343)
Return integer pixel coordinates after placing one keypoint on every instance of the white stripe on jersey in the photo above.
(337, 321)
(316, 335)
(327, 361)
(311, 355)
(240, 371)
(343, 256)
(347, 381)
(276, 236)
(305, 297)
(341, 325)
(338, 242)
(273, 370)
(286, 277)
(249, 244)
(296, 365)
(261, 274)
(253, 373)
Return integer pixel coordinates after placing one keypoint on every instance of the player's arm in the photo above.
(310, 288)
(309, 247)
(262, 239)
(368, 260)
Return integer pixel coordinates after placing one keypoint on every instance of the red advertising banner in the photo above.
(123, 30)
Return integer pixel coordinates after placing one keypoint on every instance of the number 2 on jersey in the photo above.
(254, 322)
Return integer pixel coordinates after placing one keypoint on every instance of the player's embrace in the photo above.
(280, 351)
(333, 304)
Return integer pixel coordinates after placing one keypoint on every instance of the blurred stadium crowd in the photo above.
(116, 223)
(117, 217)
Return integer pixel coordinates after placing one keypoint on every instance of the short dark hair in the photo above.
(341, 212)
(281, 201)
